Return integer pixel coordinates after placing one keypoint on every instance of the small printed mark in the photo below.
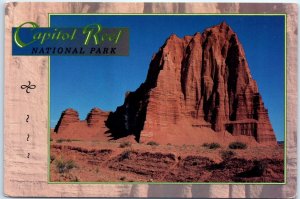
(29, 86)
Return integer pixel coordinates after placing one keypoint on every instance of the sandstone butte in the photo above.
(198, 88)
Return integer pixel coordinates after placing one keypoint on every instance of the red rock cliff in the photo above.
(69, 116)
(200, 81)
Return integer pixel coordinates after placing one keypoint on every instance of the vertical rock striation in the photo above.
(71, 127)
(69, 116)
(96, 118)
(200, 81)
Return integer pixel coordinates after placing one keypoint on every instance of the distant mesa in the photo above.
(197, 88)
(96, 117)
(69, 116)
(70, 126)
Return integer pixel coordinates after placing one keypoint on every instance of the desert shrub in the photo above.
(225, 155)
(123, 178)
(52, 157)
(237, 145)
(212, 145)
(205, 145)
(125, 144)
(126, 155)
(64, 166)
(152, 143)
(61, 140)
(75, 179)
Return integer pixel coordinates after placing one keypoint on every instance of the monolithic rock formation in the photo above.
(69, 116)
(96, 117)
(198, 88)
(201, 81)
(70, 126)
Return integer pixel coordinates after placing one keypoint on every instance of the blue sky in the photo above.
(86, 82)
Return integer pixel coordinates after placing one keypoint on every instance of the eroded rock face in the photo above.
(96, 117)
(70, 127)
(201, 81)
(69, 116)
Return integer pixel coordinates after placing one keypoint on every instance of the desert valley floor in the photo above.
(94, 161)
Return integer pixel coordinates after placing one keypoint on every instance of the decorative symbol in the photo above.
(27, 137)
(27, 118)
(29, 86)
(28, 155)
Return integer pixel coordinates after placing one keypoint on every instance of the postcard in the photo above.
(150, 100)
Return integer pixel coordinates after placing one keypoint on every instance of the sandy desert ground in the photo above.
(128, 161)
